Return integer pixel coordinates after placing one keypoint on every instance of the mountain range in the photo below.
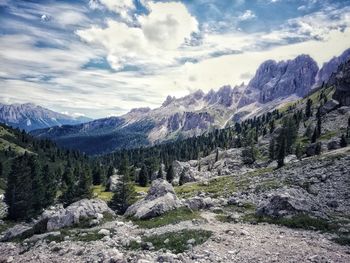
(274, 85)
(30, 117)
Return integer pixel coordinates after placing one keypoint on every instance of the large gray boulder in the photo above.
(75, 213)
(287, 202)
(198, 203)
(161, 198)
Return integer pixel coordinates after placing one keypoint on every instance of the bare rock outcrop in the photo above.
(161, 198)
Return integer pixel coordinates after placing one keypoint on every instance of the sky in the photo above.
(102, 58)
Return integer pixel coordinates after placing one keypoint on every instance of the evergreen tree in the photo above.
(49, 179)
(70, 190)
(318, 148)
(281, 148)
(85, 182)
(1, 169)
(315, 135)
(124, 194)
(143, 176)
(217, 155)
(308, 109)
(299, 151)
(272, 149)
(19, 195)
(343, 141)
(38, 189)
(110, 171)
(170, 174)
(182, 177)
(97, 175)
(160, 172)
(272, 126)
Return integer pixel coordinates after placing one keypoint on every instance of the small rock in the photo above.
(104, 232)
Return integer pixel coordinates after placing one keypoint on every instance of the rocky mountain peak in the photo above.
(330, 67)
(169, 99)
(280, 79)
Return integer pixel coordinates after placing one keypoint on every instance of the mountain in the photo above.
(29, 117)
(341, 81)
(274, 85)
(330, 67)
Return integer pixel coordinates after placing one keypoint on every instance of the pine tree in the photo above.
(217, 155)
(160, 172)
(19, 195)
(343, 141)
(315, 135)
(70, 190)
(272, 149)
(281, 148)
(182, 177)
(170, 174)
(1, 169)
(50, 185)
(308, 109)
(124, 194)
(143, 176)
(97, 175)
(85, 182)
(110, 171)
(299, 151)
(38, 186)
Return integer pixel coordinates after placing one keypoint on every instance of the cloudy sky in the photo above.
(104, 57)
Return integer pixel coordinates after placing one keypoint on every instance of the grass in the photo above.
(171, 217)
(329, 135)
(301, 221)
(99, 192)
(88, 237)
(140, 189)
(176, 241)
(219, 185)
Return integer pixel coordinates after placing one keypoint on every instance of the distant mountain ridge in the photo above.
(30, 117)
(274, 84)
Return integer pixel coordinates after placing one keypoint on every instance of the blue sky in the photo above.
(104, 57)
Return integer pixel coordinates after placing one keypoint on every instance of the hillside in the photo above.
(274, 85)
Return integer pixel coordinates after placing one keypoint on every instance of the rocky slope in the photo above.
(30, 117)
(274, 84)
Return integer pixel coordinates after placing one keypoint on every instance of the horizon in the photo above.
(81, 57)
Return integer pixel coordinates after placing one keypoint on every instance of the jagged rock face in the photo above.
(280, 79)
(30, 116)
(200, 120)
(161, 198)
(341, 80)
(331, 67)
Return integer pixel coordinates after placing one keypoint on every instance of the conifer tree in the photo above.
(1, 169)
(160, 172)
(97, 175)
(124, 194)
(299, 151)
(182, 177)
(272, 149)
(85, 182)
(50, 182)
(110, 171)
(308, 109)
(19, 195)
(143, 176)
(217, 155)
(170, 174)
(281, 148)
(343, 141)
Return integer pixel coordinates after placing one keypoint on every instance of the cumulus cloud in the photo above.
(152, 43)
(247, 15)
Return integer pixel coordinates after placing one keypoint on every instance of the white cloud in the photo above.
(69, 18)
(152, 44)
(247, 15)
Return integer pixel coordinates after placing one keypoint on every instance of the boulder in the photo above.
(161, 198)
(329, 106)
(287, 202)
(16, 231)
(333, 144)
(313, 149)
(74, 213)
(344, 110)
(198, 203)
